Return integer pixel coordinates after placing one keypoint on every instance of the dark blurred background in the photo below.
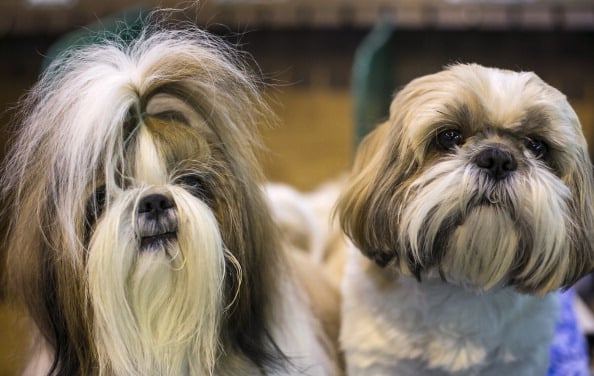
(328, 63)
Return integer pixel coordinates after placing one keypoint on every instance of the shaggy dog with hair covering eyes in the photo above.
(140, 242)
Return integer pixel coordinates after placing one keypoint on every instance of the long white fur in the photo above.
(157, 312)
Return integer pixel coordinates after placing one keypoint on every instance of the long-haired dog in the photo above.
(139, 242)
(468, 208)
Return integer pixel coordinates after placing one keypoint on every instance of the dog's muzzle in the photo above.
(156, 220)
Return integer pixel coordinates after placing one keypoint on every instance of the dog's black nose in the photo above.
(497, 162)
(154, 204)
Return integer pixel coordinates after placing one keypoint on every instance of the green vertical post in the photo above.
(373, 79)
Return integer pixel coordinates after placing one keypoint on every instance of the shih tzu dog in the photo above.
(140, 242)
(467, 210)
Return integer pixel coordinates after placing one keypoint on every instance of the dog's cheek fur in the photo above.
(55, 296)
(250, 237)
(575, 256)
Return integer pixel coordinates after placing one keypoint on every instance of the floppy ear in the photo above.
(363, 207)
(580, 252)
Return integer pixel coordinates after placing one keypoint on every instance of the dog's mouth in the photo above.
(488, 201)
(156, 222)
(157, 241)
(498, 198)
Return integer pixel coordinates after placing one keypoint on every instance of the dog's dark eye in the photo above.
(94, 209)
(194, 184)
(96, 204)
(449, 139)
(537, 147)
(190, 181)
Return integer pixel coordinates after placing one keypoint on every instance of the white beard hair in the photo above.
(468, 260)
(157, 312)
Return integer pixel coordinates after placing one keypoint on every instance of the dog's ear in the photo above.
(363, 205)
(580, 252)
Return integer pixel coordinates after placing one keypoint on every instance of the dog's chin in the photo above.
(482, 235)
(161, 293)
(481, 250)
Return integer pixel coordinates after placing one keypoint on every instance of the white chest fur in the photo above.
(394, 325)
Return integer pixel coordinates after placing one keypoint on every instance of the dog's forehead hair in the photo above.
(518, 102)
(161, 146)
(525, 109)
(473, 118)
(176, 140)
